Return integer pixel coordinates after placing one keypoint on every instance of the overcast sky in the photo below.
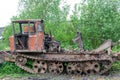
(8, 8)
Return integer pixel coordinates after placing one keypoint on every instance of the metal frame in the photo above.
(13, 29)
(34, 21)
(28, 35)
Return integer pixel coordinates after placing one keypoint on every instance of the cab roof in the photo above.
(26, 21)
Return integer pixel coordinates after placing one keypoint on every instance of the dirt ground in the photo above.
(47, 76)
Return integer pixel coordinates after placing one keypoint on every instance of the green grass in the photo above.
(116, 66)
(9, 68)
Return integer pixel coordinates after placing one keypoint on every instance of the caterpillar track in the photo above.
(78, 64)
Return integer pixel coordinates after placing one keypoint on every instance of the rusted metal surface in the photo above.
(46, 53)
(39, 66)
(33, 42)
(57, 58)
(30, 37)
(7, 56)
(74, 68)
(106, 45)
(67, 57)
(40, 41)
(86, 62)
(79, 41)
(83, 62)
(55, 67)
(12, 46)
(54, 46)
(26, 21)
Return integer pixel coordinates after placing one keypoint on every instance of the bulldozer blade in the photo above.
(106, 45)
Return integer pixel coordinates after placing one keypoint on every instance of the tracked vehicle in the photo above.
(30, 43)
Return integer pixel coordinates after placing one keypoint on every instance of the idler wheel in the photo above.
(55, 67)
(91, 68)
(74, 68)
(40, 66)
(21, 60)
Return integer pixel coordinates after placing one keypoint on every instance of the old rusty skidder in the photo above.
(29, 42)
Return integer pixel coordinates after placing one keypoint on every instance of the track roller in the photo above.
(74, 68)
(55, 67)
(40, 66)
(92, 67)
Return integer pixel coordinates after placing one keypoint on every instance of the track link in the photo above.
(101, 59)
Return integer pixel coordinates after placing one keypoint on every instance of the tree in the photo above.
(98, 20)
(55, 18)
